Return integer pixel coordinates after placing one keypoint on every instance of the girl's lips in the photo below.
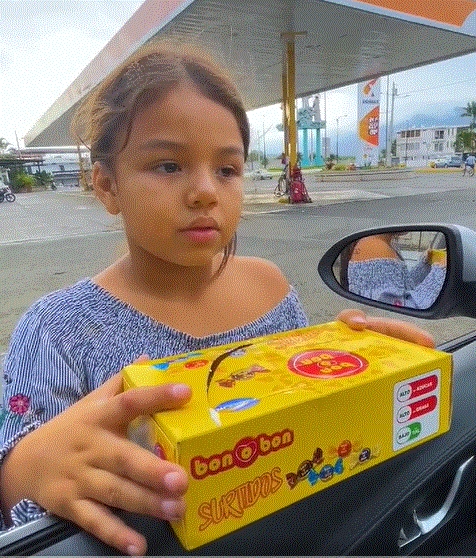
(201, 235)
(203, 230)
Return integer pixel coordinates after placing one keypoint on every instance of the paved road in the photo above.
(48, 214)
(51, 239)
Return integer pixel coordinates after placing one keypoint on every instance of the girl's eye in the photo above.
(228, 172)
(167, 168)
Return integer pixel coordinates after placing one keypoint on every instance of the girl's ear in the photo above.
(105, 187)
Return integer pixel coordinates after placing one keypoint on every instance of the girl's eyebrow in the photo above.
(154, 144)
(160, 144)
(231, 150)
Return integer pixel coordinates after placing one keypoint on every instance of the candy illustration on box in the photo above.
(276, 419)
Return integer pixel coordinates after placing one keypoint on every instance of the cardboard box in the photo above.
(276, 419)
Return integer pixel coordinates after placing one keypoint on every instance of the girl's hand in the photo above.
(356, 319)
(80, 463)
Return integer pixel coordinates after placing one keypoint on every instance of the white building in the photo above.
(61, 162)
(417, 147)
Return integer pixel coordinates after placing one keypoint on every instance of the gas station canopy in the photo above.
(336, 43)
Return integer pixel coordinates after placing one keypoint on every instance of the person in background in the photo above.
(470, 161)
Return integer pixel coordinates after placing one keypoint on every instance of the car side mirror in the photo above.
(426, 271)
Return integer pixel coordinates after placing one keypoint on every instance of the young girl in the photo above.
(169, 137)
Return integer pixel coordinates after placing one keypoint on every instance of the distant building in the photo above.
(417, 147)
(62, 163)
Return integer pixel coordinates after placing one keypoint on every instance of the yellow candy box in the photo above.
(275, 419)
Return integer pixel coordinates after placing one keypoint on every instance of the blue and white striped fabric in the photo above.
(72, 341)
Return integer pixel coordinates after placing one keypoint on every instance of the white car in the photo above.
(261, 174)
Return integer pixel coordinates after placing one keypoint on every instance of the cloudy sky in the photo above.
(44, 45)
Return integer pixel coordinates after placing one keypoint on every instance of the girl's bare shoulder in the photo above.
(262, 277)
(371, 248)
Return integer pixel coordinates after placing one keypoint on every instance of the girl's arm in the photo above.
(80, 463)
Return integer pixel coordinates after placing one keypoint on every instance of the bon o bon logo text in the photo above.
(245, 453)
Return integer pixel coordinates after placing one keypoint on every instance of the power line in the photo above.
(439, 86)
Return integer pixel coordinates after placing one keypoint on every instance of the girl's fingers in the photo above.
(101, 522)
(119, 492)
(126, 459)
(358, 320)
(109, 406)
(141, 358)
(401, 330)
(120, 410)
(108, 389)
(114, 385)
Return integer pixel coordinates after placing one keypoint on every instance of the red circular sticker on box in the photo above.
(327, 364)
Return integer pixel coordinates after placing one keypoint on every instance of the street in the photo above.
(51, 239)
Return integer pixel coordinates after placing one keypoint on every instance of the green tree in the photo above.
(254, 156)
(465, 140)
(393, 149)
(43, 178)
(330, 161)
(22, 181)
(470, 110)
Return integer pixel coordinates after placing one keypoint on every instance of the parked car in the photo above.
(449, 162)
(261, 174)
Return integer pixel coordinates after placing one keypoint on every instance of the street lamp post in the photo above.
(265, 162)
(390, 130)
(264, 143)
(407, 131)
(337, 136)
(427, 146)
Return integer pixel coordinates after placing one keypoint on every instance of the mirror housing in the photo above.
(458, 292)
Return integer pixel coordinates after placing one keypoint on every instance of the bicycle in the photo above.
(283, 186)
(469, 170)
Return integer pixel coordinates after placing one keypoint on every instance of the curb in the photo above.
(248, 198)
(363, 176)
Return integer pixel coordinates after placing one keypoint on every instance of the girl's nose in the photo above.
(202, 190)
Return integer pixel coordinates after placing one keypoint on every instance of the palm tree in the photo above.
(470, 110)
(464, 140)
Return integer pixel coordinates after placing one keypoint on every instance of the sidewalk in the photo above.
(250, 197)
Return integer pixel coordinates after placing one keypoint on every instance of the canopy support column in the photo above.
(289, 97)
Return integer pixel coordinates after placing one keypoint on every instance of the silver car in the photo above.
(261, 174)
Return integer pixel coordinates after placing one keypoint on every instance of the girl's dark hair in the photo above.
(103, 121)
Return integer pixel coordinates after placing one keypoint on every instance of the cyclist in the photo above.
(469, 164)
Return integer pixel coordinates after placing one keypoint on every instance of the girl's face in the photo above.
(178, 181)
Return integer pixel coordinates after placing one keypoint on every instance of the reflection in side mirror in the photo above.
(403, 269)
(426, 271)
